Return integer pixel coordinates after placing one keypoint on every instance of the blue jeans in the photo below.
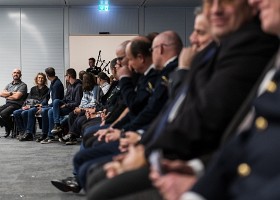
(31, 119)
(45, 120)
(18, 117)
(25, 120)
(55, 114)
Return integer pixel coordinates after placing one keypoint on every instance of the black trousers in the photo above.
(5, 115)
(124, 185)
(77, 123)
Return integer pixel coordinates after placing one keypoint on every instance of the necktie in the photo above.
(171, 111)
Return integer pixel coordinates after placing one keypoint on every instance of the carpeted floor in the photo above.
(26, 169)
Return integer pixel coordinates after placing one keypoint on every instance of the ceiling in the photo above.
(184, 3)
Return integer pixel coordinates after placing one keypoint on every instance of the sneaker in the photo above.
(20, 135)
(26, 137)
(44, 136)
(57, 129)
(72, 141)
(47, 140)
(65, 139)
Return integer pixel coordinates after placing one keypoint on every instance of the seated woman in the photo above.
(25, 122)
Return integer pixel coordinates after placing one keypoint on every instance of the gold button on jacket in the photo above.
(271, 87)
(261, 123)
(243, 169)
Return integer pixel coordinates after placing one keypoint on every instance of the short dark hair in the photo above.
(71, 72)
(50, 72)
(81, 74)
(113, 63)
(103, 76)
(141, 46)
(93, 59)
(151, 36)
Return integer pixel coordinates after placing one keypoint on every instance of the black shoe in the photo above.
(6, 135)
(71, 141)
(66, 185)
(57, 129)
(48, 140)
(65, 138)
(26, 137)
(8, 131)
(19, 135)
(44, 136)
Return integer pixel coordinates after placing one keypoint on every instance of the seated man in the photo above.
(247, 167)
(103, 82)
(15, 94)
(81, 74)
(63, 107)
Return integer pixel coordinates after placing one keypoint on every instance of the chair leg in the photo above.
(14, 130)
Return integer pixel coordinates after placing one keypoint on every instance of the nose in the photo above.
(216, 6)
(254, 2)
(193, 38)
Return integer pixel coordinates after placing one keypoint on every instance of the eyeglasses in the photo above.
(120, 58)
(152, 48)
(118, 65)
(210, 2)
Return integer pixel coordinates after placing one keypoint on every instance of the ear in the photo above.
(161, 49)
(141, 57)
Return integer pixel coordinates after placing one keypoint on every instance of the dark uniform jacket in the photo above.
(136, 98)
(216, 90)
(155, 103)
(248, 165)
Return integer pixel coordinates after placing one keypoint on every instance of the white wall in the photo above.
(30, 39)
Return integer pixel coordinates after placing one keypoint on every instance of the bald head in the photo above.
(165, 46)
(120, 50)
(16, 74)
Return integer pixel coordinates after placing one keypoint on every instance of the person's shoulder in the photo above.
(22, 83)
(45, 87)
(249, 34)
(34, 87)
(57, 81)
(78, 81)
